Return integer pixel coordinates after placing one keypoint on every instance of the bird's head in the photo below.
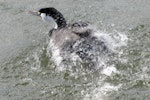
(50, 14)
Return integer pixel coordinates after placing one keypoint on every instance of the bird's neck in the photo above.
(60, 21)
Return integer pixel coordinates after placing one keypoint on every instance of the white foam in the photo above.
(109, 70)
(36, 66)
(55, 53)
(100, 93)
(113, 40)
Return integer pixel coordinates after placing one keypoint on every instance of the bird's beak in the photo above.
(34, 13)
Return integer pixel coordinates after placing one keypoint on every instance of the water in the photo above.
(27, 73)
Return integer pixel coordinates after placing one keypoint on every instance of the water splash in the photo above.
(92, 51)
(113, 42)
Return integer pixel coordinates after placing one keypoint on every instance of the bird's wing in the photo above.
(82, 29)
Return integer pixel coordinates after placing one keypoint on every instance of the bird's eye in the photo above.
(38, 13)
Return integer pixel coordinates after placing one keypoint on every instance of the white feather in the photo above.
(48, 19)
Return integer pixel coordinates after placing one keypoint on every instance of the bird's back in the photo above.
(78, 40)
(70, 33)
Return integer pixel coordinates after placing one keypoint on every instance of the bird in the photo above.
(76, 38)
